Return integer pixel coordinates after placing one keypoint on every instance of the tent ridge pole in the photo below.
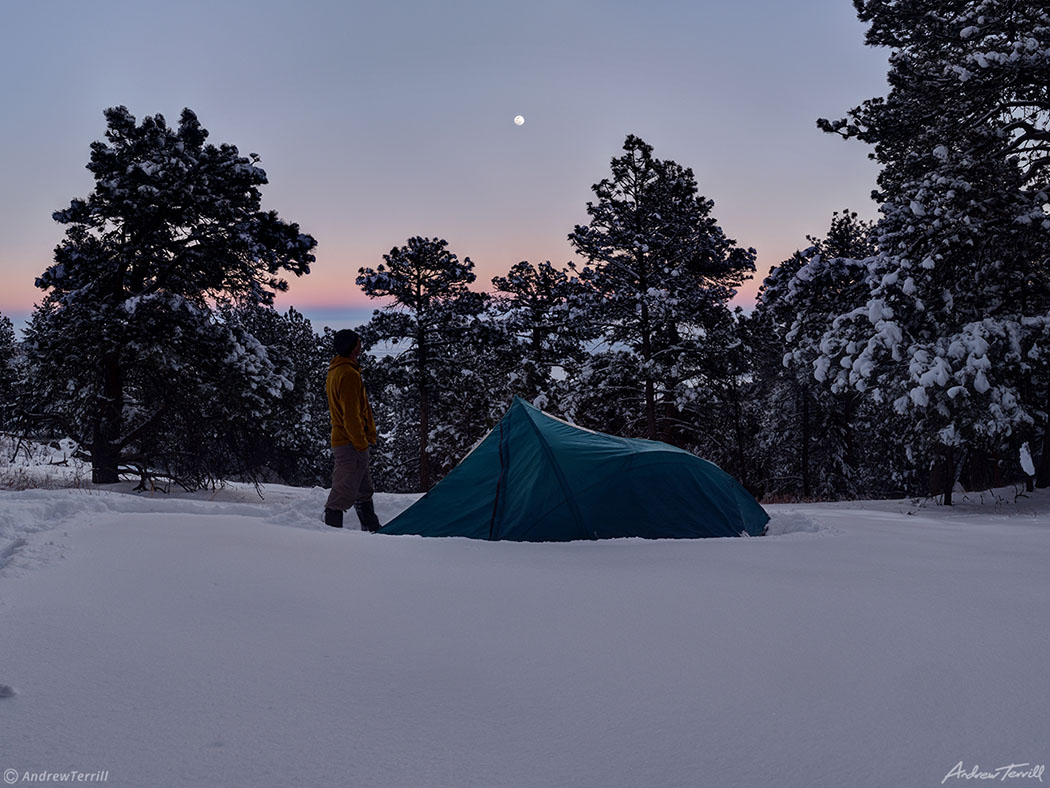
(499, 485)
(570, 499)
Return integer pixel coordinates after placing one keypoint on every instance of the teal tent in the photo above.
(535, 478)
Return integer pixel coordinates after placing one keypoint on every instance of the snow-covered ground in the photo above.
(226, 640)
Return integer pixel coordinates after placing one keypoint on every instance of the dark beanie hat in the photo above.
(345, 341)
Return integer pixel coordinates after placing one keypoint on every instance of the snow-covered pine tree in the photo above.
(603, 393)
(394, 460)
(7, 371)
(952, 331)
(662, 271)
(470, 383)
(782, 461)
(717, 400)
(816, 443)
(125, 338)
(536, 305)
(477, 380)
(217, 413)
(292, 443)
(432, 321)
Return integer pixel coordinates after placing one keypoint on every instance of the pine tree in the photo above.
(124, 346)
(394, 460)
(478, 381)
(719, 403)
(218, 413)
(545, 336)
(291, 444)
(604, 394)
(7, 371)
(431, 320)
(662, 272)
(812, 438)
(952, 331)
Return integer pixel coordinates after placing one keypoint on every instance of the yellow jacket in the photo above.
(348, 405)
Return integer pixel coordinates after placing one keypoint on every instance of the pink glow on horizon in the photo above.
(18, 294)
(321, 296)
(329, 286)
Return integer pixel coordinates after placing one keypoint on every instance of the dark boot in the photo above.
(366, 513)
(333, 517)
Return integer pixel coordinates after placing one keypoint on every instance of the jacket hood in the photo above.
(343, 361)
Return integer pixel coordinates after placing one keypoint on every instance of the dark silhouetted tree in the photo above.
(951, 331)
(125, 346)
(537, 307)
(430, 320)
(662, 272)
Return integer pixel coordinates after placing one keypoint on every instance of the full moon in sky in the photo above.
(519, 120)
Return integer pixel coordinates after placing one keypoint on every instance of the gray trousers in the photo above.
(351, 482)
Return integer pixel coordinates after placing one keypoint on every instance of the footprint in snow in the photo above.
(6, 691)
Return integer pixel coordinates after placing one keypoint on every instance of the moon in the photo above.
(519, 120)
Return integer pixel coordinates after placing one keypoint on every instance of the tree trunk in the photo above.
(667, 434)
(1042, 473)
(807, 486)
(424, 414)
(650, 410)
(424, 431)
(105, 451)
(848, 429)
(650, 389)
(741, 457)
(534, 379)
(949, 477)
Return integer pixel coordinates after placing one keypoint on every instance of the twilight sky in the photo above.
(377, 121)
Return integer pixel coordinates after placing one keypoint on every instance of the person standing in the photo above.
(353, 433)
